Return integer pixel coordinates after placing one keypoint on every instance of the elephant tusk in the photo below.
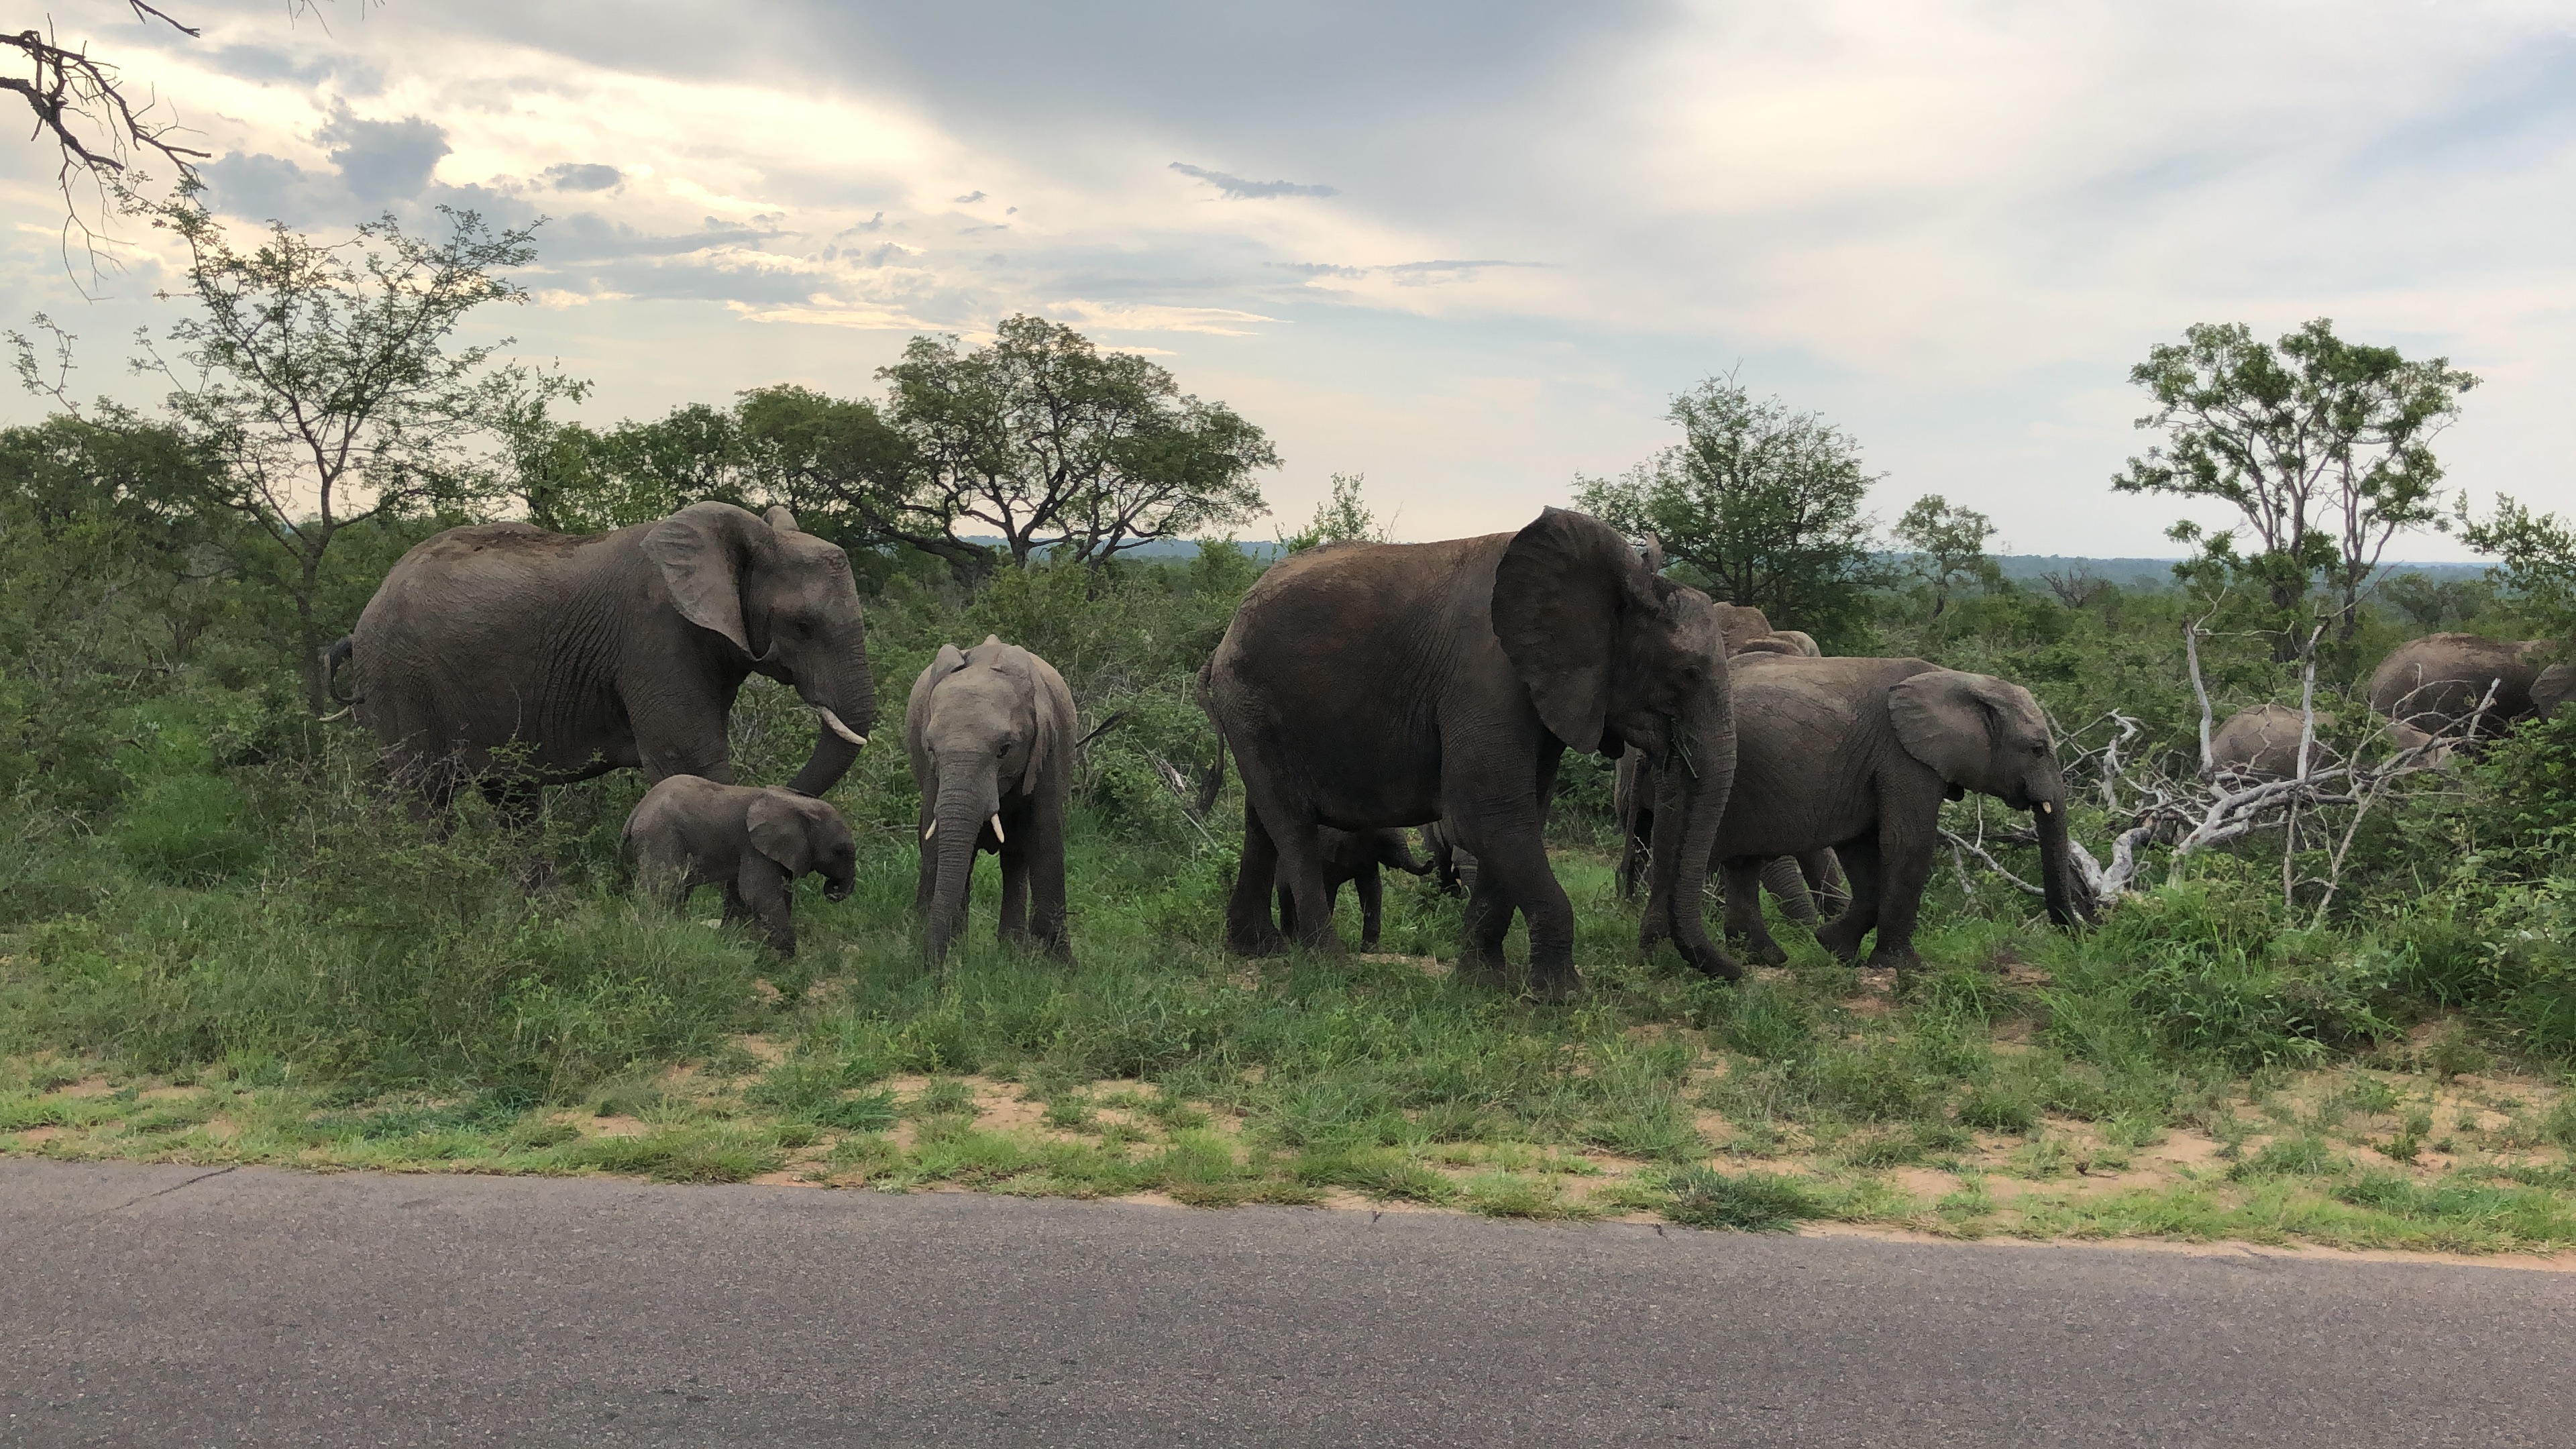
(930, 830)
(838, 728)
(2046, 809)
(998, 837)
(326, 719)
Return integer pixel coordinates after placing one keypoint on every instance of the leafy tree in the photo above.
(1050, 442)
(2325, 446)
(1759, 504)
(318, 375)
(1949, 545)
(2536, 562)
(842, 462)
(1342, 518)
(2431, 603)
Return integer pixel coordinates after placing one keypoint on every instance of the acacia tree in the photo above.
(1049, 442)
(318, 376)
(1760, 503)
(2325, 447)
(1949, 544)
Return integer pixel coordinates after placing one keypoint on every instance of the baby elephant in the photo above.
(688, 831)
(1355, 855)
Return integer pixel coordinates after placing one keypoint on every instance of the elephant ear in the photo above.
(1650, 551)
(1043, 686)
(702, 551)
(1558, 593)
(1769, 644)
(779, 519)
(1953, 721)
(1741, 624)
(779, 830)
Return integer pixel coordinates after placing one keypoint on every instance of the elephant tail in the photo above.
(334, 659)
(1212, 780)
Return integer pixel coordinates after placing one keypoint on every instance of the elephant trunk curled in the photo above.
(851, 702)
(1697, 774)
(967, 798)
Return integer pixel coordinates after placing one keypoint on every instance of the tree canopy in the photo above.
(1758, 504)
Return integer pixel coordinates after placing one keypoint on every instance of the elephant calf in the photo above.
(1354, 856)
(689, 831)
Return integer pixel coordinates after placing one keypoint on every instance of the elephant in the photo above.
(1857, 755)
(1750, 633)
(1354, 856)
(2552, 688)
(990, 733)
(689, 831)
(1367, 685)
(503, 653)
(1452, 870)
(2262, 743)
(2435, 683)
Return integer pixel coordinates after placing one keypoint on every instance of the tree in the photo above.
(1342, 518)
(1761, 504)
(81, 104)
(318, 376)
(1949, 545)
(1050, 442)
(842, 460)
(2325, 446)
(2536, 562)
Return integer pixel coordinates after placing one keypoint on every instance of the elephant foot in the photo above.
(1255, 946)
(1902, 962)
(1766, 953)
(1489, 972)
(1554, 986)
(1845, 945)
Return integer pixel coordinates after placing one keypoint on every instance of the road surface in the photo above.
(173, 1306)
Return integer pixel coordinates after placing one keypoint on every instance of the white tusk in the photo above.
(838, 728)
(2046, 808)
(998, 837)
(326, 719)
(930, 830)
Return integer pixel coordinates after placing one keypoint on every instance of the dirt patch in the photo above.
(38, 1136)
(610, 1126)
(85, 1087)
(1927, 1183)
(1427, 965)
(768, 1052)
(168, 1094)
(785, 1177)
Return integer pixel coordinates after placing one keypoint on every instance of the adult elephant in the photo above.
(1858, 755)
(1799, 884)
(2552, 688)
(2262, 743)
(2436, 683)
(1362, 686)
(990, 733)
(521, 657)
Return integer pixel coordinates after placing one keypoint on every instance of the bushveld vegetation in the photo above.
(223, 939)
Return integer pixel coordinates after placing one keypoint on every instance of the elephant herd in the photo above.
(1362, 689)
(2434, 693)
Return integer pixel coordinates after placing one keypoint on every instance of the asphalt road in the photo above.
(166, 1306)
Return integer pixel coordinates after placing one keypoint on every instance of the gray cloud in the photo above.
(1235, 188)
(968, 199)
(383, 161)
(1405, 274)
(571, 176)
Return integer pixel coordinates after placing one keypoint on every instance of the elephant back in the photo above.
(2438, 681)
(2262, 740)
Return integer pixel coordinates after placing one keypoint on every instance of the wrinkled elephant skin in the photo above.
(990, 732)
(688, 831)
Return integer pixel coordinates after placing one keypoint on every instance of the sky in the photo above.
(1469, 250)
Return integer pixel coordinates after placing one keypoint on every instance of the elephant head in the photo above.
(1616, 658)
(973, 725)
(804, 834)
(1981, 733)
(787, 600)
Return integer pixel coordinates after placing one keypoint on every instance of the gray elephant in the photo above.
(2434, 684)
(1796, 883)
(2551, 688)
(1354, 856)
(2262, 743)
(1453, 870)
(990, 732)
(1858, 755)
(689, 831)
(1362, 686)
(594, 652)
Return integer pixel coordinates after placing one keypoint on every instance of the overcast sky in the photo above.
(1467, 249)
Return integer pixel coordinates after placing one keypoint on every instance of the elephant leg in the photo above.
(1372, 894)
(1632, 852)
(767, 894)
(1860, 862)
(1788, 885)
(1287, 912)
(1513, 873)
(1905, 848)
(1299, 869)
(1014, 925)
(1825, 883)
(1046, 883)
(1744, 913)
(1248, 928)
(1487, 920)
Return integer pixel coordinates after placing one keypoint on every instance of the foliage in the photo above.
(1344, 517)
(1757, 504)
(2536, 563)
(1949, 544)
(2325, 447)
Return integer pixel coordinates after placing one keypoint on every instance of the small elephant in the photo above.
(689, 831)
(1354, 856)
(1453, 869)
(991, 734)
(1857, 755)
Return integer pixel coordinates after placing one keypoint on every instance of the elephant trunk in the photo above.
(2066, 900)
(966, 800)
(1698, 772)
(1788, 885)
(848, 710)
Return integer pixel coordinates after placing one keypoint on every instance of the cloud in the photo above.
(1235, 188)
(969, 199)
(382, 161)
(1403, 274)
(1150, 317)
(570, 176)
